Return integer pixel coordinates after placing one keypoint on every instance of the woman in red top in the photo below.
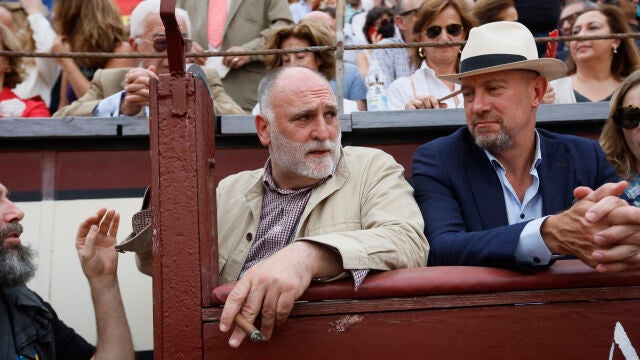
(11, 73)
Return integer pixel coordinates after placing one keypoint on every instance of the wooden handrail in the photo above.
(452, 280)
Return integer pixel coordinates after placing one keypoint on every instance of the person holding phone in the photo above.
(377, 26)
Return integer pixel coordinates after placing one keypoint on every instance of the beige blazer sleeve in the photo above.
(105, 82)
(224, 104)
(388, 234)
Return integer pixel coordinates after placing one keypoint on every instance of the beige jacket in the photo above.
(107, 82)
(366, 211)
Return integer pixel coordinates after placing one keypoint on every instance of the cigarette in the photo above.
(455, 93)
(254, 334)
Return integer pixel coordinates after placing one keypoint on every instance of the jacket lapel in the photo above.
(333, 184)
(235, 5)
(485, 188)
(556, 176)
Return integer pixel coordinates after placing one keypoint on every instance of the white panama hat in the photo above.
(503, 45)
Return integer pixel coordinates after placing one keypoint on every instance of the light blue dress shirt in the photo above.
(531, 248)
(110, 106)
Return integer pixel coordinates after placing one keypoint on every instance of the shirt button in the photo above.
(249, 236)
(521, 216)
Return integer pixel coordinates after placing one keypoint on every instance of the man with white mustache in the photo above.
(315, 212)
(29, 327)
(318, 211)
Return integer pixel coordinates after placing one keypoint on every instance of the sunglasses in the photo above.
(627, 117)
(452, 29)
(160, 44)
(408, 12)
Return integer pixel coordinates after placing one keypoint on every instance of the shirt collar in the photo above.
(270, 184)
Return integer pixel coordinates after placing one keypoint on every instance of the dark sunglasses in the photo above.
(160, 45)
(408, 12)
(627, 117)
(452, 29)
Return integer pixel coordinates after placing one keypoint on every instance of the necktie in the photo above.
(215, 21)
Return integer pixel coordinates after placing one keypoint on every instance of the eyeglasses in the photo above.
(452, 29)
(408, 12)
(571, 18)
(627, 117)
(160, 44)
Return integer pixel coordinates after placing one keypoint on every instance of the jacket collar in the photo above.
(555, 172)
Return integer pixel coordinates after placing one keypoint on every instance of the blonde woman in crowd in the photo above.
(620, 138)
(595, 68)
(87, 26)
(12, 73)
(436, 21)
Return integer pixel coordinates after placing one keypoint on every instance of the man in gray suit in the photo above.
(247, 22)
(125, 91)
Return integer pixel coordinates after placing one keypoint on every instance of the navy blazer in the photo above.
(462, 202)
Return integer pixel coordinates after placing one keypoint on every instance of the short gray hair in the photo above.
(265, 88)
(138, 18)
(268, 84)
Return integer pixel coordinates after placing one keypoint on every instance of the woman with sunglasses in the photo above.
(436, 21)
(595, 68)
(87, 26)
(620, 137)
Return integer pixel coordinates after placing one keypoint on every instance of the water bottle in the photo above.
(376, 93)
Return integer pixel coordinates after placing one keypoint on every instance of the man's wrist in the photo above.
(127, 108)
(549, 233)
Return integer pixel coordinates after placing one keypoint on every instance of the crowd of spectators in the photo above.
(596, 67)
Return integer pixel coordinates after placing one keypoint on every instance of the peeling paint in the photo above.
(344, 323)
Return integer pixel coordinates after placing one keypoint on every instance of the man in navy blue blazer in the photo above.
(502, 193)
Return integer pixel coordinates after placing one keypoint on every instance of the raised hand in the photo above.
(95, 244)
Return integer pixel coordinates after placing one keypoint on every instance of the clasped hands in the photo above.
(600, 229)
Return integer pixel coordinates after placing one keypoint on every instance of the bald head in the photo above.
(323, 18)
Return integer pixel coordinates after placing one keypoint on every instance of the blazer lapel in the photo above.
(556, 176)
(485, 187)
(333, 184)
(235, 5)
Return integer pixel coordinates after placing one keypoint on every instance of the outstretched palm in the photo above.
(95, 244)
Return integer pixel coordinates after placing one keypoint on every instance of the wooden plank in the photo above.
(342, 306)
(424, 120)
(73, 127)
(174, 204)
(572, 330)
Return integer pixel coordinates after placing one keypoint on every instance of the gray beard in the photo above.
(16, 263)
(494, 144)
(16, 266)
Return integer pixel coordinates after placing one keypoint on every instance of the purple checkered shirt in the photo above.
(281, 211)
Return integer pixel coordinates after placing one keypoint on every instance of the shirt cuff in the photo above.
(109, 106)
(531, 247)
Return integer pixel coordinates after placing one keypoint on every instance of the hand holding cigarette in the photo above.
(254, 334)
